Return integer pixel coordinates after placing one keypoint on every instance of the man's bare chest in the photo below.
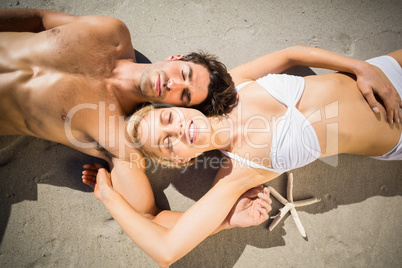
(57, 50)
(55, 84)
(44, 100)
(56, 69)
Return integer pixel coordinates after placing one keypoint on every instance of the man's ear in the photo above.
(176, 57)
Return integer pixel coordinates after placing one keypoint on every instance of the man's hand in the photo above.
(251, 208)
(370, 80)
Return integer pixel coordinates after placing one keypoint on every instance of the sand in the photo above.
(50, 219)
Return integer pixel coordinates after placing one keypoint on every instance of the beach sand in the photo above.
(50, 219)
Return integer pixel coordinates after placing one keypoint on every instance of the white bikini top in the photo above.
(294, 143)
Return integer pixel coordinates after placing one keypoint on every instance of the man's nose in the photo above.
(174, 84)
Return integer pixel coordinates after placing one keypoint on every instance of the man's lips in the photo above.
(158, 89)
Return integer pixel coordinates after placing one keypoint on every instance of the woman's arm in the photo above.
(368, 80)
(167, 245)
(131, 182)
(282, 60)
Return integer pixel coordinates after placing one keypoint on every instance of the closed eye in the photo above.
(183, 93)
(170, 117)
(166, 117)
(168, 143)
(189, 96)
(185, 97)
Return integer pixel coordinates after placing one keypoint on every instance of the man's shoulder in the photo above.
(104, 23)
(106, 29)
(97, 19)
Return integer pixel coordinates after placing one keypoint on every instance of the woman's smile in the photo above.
(191, 132)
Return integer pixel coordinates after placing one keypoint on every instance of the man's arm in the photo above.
(368, 80)
(130, 180)
(32, 20)
(36, 20)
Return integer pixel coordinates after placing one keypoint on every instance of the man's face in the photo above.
(175, 82)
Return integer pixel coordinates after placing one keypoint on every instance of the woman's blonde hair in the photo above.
(132, 130)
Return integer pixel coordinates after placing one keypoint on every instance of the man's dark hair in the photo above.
(222, 96)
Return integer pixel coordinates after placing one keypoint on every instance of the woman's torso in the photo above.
(348, 124)
(340, 116)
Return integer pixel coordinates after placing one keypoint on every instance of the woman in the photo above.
(281, 123)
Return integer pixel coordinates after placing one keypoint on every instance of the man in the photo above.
(73, 80)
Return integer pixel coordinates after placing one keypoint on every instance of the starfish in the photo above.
(291, 205)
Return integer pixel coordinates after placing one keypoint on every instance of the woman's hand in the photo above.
(251, 208)
(96, 176)
(370, 81)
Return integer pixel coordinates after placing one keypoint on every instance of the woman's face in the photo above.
(175, 133)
